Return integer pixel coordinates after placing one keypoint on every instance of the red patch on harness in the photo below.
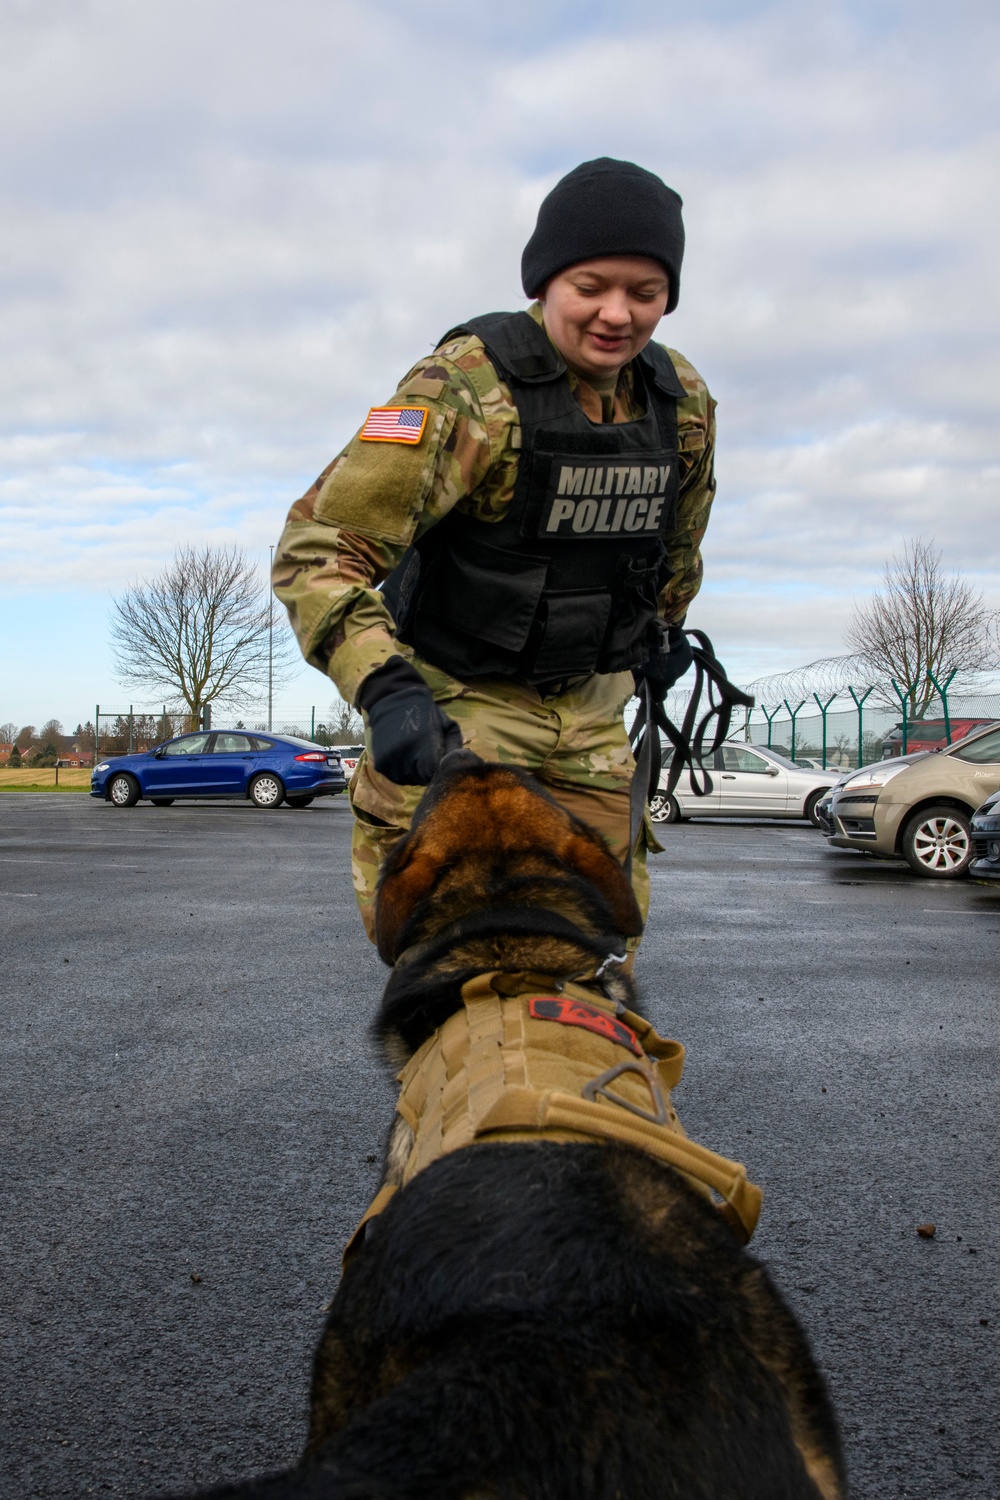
(576, 1013)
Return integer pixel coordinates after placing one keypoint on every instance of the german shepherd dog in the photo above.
(538, 1319)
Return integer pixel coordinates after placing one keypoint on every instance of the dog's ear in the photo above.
(536, 813)
(407, 877)
(413, 864)
(585, 853)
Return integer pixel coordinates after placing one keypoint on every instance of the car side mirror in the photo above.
(159, 754)
(772, 770)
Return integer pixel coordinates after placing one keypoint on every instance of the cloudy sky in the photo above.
(230, 226)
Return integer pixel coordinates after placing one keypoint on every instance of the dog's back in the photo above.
(565, 1321)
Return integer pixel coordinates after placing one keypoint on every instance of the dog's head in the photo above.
(486, 834)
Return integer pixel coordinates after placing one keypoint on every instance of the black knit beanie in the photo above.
(605, 207)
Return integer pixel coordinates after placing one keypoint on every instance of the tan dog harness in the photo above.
(524, 1058)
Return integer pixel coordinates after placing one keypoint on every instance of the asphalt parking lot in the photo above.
(193, 1113)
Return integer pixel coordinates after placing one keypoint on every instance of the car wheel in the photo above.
(812, 802)
(664, 809)
(938, 842)
(299, 801)
(162, 801)
(123, 790)
(266, 790)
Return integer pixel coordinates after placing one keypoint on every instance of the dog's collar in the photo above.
(519, 921)
(511, 983)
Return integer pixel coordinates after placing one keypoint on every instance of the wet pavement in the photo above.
(193, 1115)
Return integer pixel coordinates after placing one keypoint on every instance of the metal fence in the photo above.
(852, 727)
(841, 730)
(122, 731)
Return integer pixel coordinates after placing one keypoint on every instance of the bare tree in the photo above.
(199, 631)
(344, 724)
(7, 733)
(922, 621)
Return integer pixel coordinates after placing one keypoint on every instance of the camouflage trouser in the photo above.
(574, 742)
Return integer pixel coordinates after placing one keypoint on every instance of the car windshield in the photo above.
(985, 750)
(293, 739)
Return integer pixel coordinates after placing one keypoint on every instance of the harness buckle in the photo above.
(598, 1088)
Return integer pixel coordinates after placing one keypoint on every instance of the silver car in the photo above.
(747, 781)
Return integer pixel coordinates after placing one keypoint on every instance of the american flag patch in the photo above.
(394, 424)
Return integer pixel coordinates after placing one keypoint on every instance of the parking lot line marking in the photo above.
(941, 911)
(5, 860)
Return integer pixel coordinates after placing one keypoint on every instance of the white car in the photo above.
(349, 757)
(747, 781)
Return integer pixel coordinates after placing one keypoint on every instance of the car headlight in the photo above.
(104, 766)
(873, 776)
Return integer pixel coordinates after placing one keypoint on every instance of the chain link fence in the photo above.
(135, 728)
(839, 731)
(855, 726)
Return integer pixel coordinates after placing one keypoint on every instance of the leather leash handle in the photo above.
(639, 793)
(688, 740)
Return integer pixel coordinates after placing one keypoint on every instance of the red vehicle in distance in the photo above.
(928, 734)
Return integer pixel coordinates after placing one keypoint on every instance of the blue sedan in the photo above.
(267, 768)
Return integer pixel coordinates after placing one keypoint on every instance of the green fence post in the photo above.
(770, 720)
(131, 721)
(903, 700)
(859, 704)
(794, 712)
(312, 727)
(97, 733)
(822, 709)
(943, 695)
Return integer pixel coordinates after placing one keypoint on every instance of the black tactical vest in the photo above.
(566, 582)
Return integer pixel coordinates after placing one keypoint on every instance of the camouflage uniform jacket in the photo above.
(351, 528)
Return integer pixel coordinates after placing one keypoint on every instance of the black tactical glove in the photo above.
(667, 664)
(409, 733)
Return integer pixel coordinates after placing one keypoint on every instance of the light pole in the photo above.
(270, 644)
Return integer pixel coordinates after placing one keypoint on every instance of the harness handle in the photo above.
(688, 740)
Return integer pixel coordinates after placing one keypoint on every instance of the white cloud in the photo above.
(229, 228)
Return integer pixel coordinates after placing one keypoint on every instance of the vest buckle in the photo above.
(598, 1088)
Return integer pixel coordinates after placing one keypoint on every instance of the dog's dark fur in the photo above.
(567, 1321)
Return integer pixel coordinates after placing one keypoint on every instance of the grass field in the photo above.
(43, 779)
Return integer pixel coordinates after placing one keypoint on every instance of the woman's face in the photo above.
(601, 313)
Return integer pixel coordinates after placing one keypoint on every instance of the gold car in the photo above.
(919, 806)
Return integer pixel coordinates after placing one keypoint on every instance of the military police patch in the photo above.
(622, 496)
(394, 424)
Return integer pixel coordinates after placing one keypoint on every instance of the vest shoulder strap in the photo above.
(516, 345)
(521, 349)
(659, 368)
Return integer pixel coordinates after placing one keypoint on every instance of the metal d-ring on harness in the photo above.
(689, 740)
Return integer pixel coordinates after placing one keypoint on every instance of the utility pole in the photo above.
(270, 643)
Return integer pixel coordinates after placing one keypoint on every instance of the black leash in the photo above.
(688, 741)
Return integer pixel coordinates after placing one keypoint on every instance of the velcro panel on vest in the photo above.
(379, 489)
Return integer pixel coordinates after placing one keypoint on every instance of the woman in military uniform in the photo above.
(513, 539)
